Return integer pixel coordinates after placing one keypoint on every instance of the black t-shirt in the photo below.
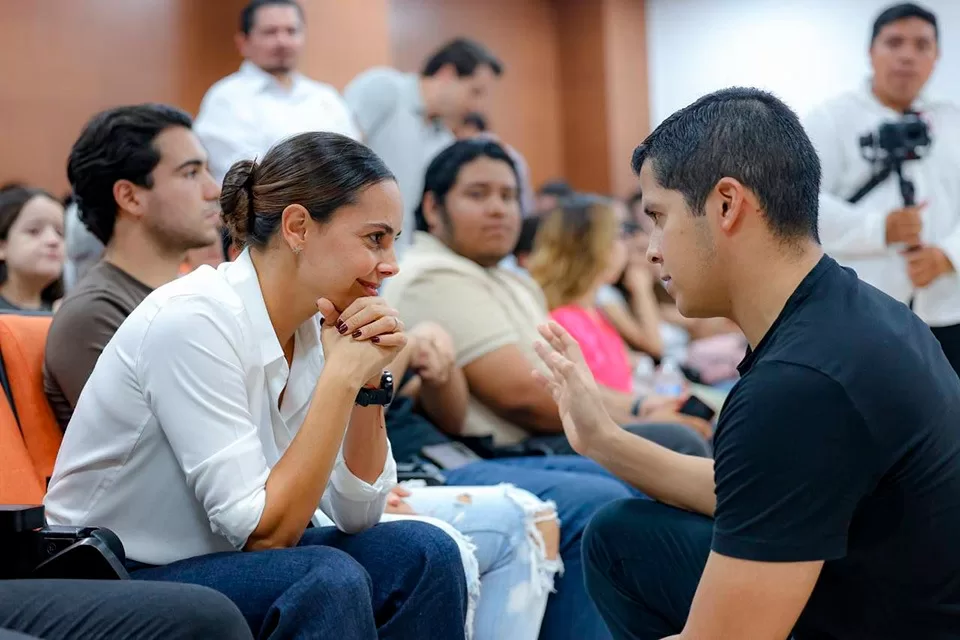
(841, 443)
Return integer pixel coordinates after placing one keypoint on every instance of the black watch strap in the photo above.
(381, 396)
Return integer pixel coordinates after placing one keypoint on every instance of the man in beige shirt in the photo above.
(468, 221)
(143, 189)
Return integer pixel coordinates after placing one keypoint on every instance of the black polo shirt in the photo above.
(841, 443)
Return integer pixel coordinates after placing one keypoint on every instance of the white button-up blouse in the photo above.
(176, 430)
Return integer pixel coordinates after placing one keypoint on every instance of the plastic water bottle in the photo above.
(670, 380)
(643, 375)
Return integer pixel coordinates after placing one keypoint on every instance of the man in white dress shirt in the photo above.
(909, 252)
(267, 100)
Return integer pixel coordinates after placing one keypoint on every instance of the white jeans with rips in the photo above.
(509, 577)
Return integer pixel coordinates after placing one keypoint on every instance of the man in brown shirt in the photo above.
(141, 180)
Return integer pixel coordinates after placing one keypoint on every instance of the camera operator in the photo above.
(906, 244)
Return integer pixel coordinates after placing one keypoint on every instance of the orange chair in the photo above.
(27, 416)
(29, 440)
(19, 482)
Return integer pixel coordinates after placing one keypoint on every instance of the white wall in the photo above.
(804, 51)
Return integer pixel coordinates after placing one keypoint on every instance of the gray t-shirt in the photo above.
(389, 109)
(81, 328)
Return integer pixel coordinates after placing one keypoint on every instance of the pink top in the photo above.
(602, 346)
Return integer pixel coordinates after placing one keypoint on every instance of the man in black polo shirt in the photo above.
(832, 510)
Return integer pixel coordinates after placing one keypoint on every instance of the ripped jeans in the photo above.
(499, 524)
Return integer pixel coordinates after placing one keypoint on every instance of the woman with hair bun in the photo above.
(234, 401)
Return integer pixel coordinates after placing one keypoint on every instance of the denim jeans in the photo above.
(643, 561)
(115, 610)
(674, 436)
(578, 487)
(395, 580)
(499, 524)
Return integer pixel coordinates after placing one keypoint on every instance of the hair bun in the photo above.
(237, 199)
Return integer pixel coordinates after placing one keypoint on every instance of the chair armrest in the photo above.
(31, 549)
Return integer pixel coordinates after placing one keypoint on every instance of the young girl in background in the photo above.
(31, 250)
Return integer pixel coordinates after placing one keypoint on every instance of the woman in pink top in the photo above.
(580, 248)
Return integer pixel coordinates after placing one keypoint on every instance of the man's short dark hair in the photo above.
(556, 188)
(444, 169)
(465, 55)
(902, 12)
(248, 16)
(746, 134)
(476, 120)
(116, 144)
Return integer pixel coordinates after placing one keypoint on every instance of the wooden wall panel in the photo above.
(61, 61)
(525, 106)
(345, 37)
(583, 97)
(207, 51)
(628, 107)
(573, 99)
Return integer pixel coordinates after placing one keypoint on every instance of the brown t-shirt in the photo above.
(81, 328)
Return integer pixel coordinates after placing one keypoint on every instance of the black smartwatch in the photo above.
(382, 395)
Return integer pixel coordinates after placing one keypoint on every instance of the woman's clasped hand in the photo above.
(362, 339)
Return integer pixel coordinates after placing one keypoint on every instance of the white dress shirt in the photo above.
(246, 113)
(855, 234)
(177, 428)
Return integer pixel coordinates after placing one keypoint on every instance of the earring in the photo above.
(297, 250)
